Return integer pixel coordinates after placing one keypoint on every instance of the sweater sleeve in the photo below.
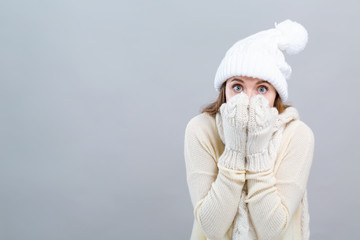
(272, 200)
(214, 189)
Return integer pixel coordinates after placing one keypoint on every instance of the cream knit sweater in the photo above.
(274, 202)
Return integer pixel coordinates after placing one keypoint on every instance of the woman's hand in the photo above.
(262, 118)
(232, 120)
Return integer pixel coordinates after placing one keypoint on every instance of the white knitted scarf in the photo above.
(243, 229)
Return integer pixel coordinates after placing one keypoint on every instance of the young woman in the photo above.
(248, 155)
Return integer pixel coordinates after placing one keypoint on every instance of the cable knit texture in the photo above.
(231, 203)
(233, 117)
(260, 129)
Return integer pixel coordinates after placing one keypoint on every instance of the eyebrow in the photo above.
(258, 82)
(263, 81)
(236, 79)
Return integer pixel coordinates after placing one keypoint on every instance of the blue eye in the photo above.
(262, 89)
(237, 88)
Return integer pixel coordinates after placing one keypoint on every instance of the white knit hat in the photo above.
(261, 56)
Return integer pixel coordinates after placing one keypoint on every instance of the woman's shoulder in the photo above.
(298, 129)
(201, 122)
(202, 127)
(202, 133)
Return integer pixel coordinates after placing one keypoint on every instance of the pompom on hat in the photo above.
(261, 56)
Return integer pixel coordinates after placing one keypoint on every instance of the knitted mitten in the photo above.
(262, 118)
(231, 121)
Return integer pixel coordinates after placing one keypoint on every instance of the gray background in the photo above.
(95, 97)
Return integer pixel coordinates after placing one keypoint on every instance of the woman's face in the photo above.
(251, 86)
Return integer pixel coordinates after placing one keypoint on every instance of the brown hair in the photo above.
(213, 108)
